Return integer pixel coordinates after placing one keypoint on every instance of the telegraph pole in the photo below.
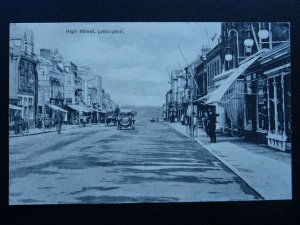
(171, 82)
(191, 99)
(192, 109)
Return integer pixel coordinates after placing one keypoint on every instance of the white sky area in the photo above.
(133, 65)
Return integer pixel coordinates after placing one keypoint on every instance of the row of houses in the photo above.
(245, 78)
(39, 84)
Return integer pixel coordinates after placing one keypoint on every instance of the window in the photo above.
(250, 100)
(215, 69)
(262, 105)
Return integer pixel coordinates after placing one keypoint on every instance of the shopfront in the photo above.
(268, 100)
(228, 98)
(12, 111)
(77, 112)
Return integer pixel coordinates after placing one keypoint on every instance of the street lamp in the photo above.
(248, 43)
(228, 56)
(263, 33)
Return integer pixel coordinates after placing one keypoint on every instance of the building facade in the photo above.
(246, 79)
(22, 75)
(51, 84)
(268, 99)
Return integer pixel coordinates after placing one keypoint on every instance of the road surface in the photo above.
(98, 164)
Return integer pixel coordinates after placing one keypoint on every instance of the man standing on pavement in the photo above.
(211, 125)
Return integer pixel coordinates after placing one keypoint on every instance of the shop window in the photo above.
(272, 108)
(30, 112)
(262, 105)
(288, 107)
(250, 100)
(280, 106)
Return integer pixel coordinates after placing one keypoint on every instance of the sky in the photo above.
(134, 63)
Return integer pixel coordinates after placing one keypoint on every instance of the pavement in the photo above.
(266, 170)
(35, 131)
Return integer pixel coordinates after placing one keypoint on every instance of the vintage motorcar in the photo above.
(126, 119)
(111, 119)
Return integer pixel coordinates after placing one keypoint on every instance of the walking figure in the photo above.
(211, 125)
(58, 117)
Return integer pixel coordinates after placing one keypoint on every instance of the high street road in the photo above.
(98, 164)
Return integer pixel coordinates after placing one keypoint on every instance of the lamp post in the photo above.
(237, 44)
(248, 43)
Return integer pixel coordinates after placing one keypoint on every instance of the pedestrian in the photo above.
(182, 119)
(117, 111)
(133, 119)
(26, 121)
(171, 117)
(17, 121)
(58, 117)
(211, 125)
(195, 124)
(204, 124)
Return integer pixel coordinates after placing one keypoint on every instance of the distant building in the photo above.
(92, 87)
(108, 103)
(51, 80)
(71, 75)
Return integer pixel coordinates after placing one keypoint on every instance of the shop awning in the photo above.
(218, 94)
(95, 110)
(79, 108)
(15, 107)
(54, 107)
(125, 110)
(205, 97)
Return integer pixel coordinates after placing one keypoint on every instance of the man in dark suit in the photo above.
(211, 125)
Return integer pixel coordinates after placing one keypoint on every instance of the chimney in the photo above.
(45, 53)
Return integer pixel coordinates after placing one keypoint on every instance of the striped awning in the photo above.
(219, 93)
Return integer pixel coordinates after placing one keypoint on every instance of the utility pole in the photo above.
(191, 99)
(192, 109)
(171, 94)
